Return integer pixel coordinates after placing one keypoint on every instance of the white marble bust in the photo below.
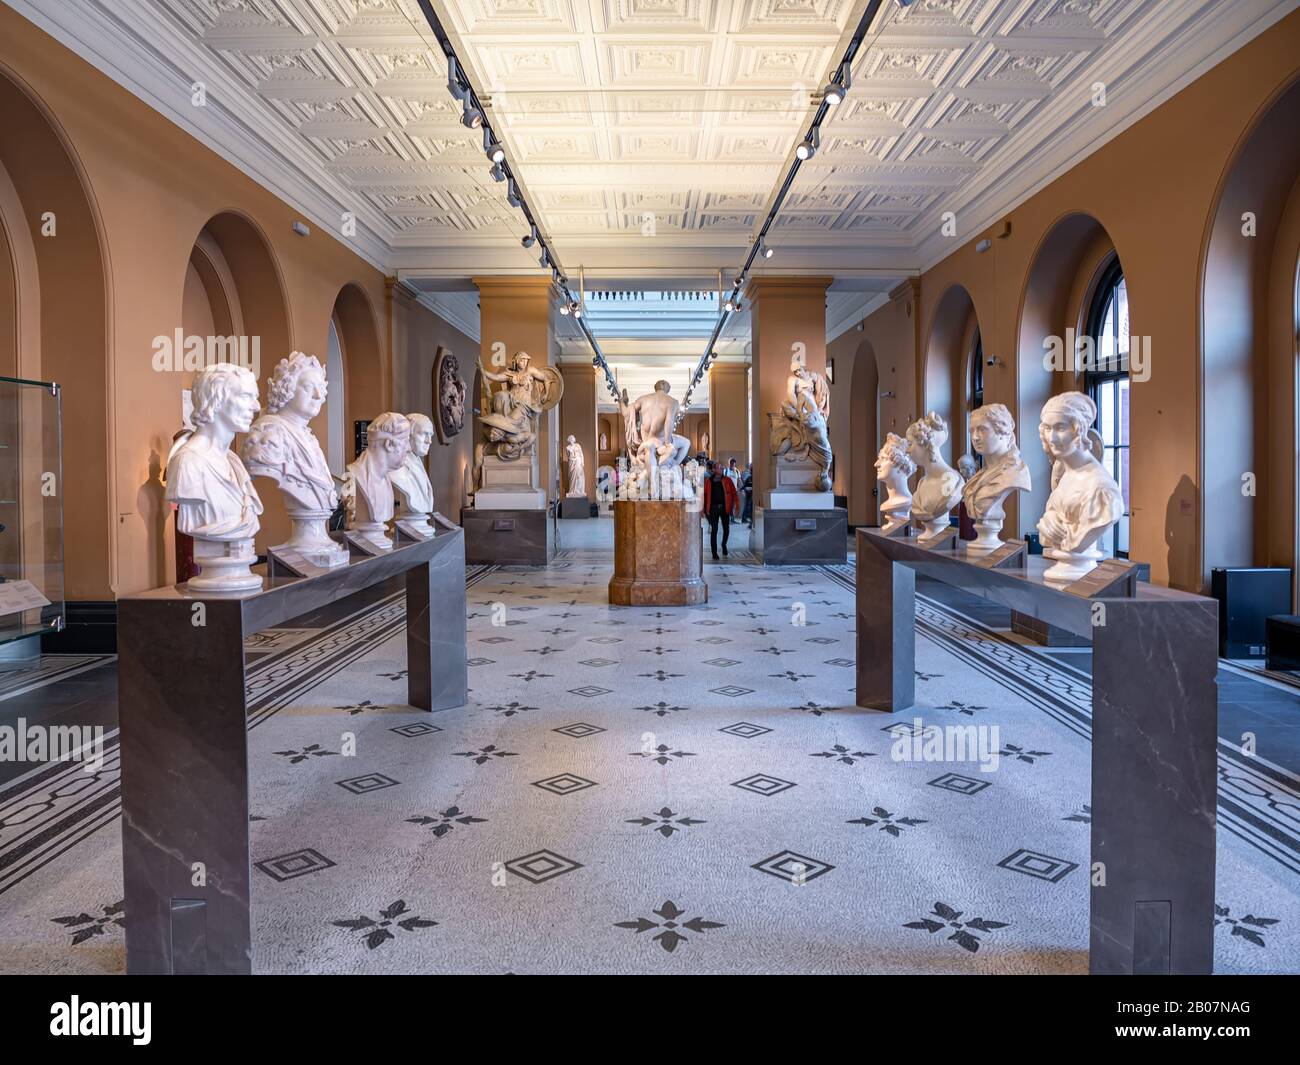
(213, 494)
(939, 489)
(893, 467)
(993, 435)
(281, 446)
(1085, 500)
(388, 441)
(577, 467)
(411, 480)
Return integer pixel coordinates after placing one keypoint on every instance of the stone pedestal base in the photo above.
(507, 537)
(575, 507)
(510, 485)
(801, 537)
(658, 555)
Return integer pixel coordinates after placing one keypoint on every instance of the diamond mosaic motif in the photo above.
(578, 731)
(564, 784)
(541, 866)
(732, 691)
(1039, 866)
(745, 730)
(762, 784)
(793, 868)
(958, 783)
(589, 691)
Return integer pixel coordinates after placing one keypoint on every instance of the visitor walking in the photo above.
(719, 502)
(733, 475)
(747, 487)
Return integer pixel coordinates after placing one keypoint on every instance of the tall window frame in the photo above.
(1106, 380)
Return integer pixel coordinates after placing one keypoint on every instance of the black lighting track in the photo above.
(811, 136)
(464, 92)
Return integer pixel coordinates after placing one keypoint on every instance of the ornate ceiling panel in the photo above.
(653, 131)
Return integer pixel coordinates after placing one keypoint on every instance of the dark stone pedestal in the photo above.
(184, 739)
(575, 507)
(658, 554)
(507, 537)
(1154, 734)
(800, 537)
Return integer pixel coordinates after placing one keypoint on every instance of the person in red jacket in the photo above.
(719, 503)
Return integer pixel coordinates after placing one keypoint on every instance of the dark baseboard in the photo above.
(90, 629)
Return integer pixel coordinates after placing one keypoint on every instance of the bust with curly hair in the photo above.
(893, 467)
(993, 435)
(281, 447)
(939, 490)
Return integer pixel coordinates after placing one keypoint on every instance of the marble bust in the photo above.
(893, 467)
(939, 489)
(388, 441)
(1085, 500)
(411, 481)
(577, 467)
(993, 435)
(214, 497)
(281, 446)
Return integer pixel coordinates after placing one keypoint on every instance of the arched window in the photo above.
(1106, 380)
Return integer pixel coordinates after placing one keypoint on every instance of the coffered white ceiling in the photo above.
(650, 133)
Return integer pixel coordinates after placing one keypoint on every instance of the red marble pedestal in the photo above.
(658, 555)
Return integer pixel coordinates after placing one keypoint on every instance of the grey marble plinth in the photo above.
(800, 537)
(184, 739)
(575, 507)
(1154, 736)
(508, 537)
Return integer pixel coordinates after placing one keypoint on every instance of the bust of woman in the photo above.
(214, 497)
(1085, 500)
(893, 467)
(282, 447)
(993, 435)
(940, 487)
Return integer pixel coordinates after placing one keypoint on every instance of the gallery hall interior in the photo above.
(650, 487)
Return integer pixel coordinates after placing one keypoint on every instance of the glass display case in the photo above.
(31, 514)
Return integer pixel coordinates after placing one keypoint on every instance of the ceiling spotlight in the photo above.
(512, 194)
(765, 250)
(577, 309)
(842, 82)
(833, 94)
(472, 117)
(730, 305)
(491, 148)
(453, 78)
(808, 146)
(529, 238)
(545, 257)
(564, 310)
(497, 173)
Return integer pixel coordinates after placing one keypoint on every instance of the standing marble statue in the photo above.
(660, 448)
(1085, 500)
(510, 430)
(411, 481)
(577, 467)
(993, 435)
(799, 431)
(939, 489)
(281, 446)
(214, 497)
(388, 441)
(893, 467)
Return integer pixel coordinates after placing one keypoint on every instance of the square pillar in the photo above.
(517, 314)
(578, 419)
(729, 411)
(784, 312)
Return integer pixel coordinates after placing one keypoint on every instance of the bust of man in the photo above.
(388, 441)
(410, 479)
(214, 497)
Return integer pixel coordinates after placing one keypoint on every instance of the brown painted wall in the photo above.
(1153, 191)
(416, 334)
(729, 411)
(151, 189)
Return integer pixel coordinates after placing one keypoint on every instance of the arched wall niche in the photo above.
(865, 435)
(947, 355)
(1249, 347)
(363, 358)
(1062, 276)
(45, 186)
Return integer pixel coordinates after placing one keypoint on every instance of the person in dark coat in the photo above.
(719, 503)
(747, 487)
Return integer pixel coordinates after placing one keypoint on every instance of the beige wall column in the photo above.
(578, 418)
(729, 411)
(785, 312)
(516, 314)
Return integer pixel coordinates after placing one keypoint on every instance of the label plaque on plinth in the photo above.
(658, 554)
(1011, 555)
(1113, 577)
